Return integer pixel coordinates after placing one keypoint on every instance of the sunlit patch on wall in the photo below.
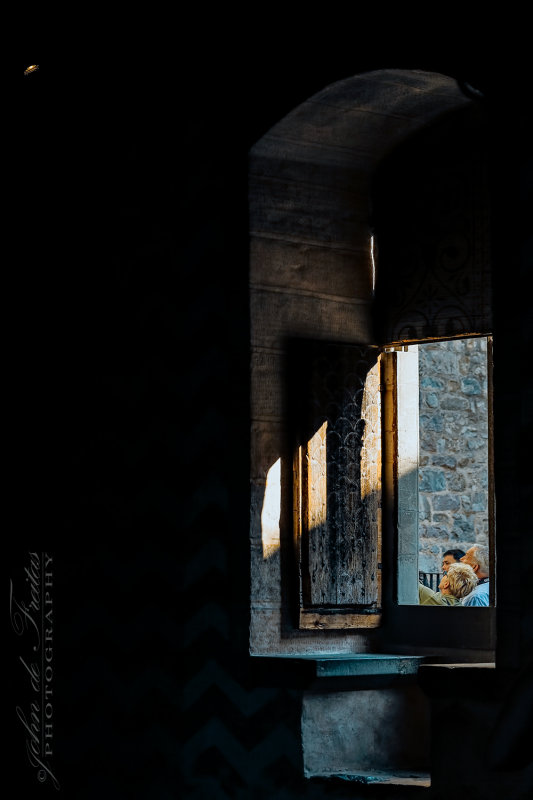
(271, 511)
(371, 441)
(317, 480)
(373, 260)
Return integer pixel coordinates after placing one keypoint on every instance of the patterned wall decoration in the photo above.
(431, 216)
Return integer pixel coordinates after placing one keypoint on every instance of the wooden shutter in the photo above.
(337, 483)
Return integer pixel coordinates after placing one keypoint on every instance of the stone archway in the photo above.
(311, 276)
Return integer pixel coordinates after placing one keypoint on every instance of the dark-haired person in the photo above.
(451, 557)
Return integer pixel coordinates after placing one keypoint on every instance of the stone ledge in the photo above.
(394, 777)
(352, 664)
(368, 664)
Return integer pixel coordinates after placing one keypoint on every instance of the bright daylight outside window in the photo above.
(445, 495)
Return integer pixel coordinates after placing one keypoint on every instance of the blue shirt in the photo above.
(478, 596)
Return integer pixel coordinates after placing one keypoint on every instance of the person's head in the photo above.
(477, 557)
(459, 580)
(451, 557)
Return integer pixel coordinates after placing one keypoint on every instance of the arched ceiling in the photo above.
(368, 114)
(311, 173)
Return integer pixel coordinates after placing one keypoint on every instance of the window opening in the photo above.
(444, 489)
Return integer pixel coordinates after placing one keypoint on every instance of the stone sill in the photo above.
(367, 664)
(354, 664)
(372, 777)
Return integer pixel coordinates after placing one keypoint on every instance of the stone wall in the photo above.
(453, 448)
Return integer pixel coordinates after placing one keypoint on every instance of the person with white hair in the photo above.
(455, 584)
(477, 557)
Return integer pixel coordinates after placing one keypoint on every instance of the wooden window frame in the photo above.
(404, 628)
(467, 633)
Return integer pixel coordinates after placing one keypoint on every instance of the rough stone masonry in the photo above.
(453, 448)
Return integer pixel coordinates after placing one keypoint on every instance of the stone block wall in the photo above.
(453, 448)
